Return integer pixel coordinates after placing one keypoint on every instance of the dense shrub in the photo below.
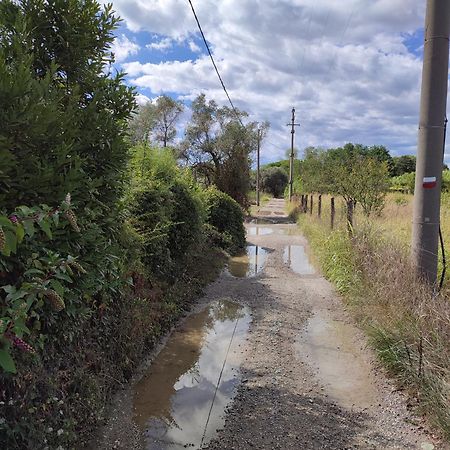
(274, 181)
(226, 216)
(403, 183)
(165, 209)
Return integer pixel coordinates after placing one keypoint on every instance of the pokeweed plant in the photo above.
(34, 280)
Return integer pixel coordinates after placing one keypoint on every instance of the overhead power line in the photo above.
(214, 63)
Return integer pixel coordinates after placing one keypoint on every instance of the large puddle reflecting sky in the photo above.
(172, 402)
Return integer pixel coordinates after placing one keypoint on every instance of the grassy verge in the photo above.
(408, 327)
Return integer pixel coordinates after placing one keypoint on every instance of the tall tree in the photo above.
(219, 148)
(142, 123)
(166, 113)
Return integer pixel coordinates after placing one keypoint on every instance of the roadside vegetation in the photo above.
(407, 321)
(105, 237)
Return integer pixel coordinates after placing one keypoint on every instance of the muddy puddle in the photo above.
(250, 264)
(260, 231)
(267, 230)
(328, 346)
(297, 259)
(180, 401)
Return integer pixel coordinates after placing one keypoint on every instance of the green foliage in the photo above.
(165, 210)
(359, 174)
(406, 182)
(35, 280)
(225, 215)
(403, 183)
(403, 164)
(157, 120)
(274, 181)
(284, 165)
(63, 130)
(218, 148)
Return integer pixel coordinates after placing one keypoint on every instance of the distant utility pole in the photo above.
(433, 102)
(291, 159)
(257, 166)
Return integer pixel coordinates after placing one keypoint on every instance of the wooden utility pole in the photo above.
(433, 104)
(257, 166)
(291, 158)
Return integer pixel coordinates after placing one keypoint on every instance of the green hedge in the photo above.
(226, 216)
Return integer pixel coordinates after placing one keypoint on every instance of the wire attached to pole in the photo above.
(214, 64)
(441, 238)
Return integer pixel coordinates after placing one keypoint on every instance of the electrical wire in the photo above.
(441, 239)
(218, 383)
(214, 64)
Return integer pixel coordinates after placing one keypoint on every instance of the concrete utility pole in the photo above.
(257, 166)
(433, 103)
(291, 158)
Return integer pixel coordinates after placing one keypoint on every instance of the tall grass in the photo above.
(408, 325)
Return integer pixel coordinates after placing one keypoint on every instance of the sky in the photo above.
(351, 68)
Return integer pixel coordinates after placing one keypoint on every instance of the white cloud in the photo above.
(161, 45)
(142, 99)
(123, 48)
(194, 47)
(343, 65)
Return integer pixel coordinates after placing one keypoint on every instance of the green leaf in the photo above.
(5, 222)
(9, 288)
(34, 272)
(16, 295)
(58, 287)
(29, 227)
(45, 227)
(6, 362)
(20, 328)
(63, 276)
(11, 243)
(20, 232)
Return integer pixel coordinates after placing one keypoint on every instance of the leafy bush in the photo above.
(35, 279)
(226, 216)
(165, 209)
(274, 181)
(403, 183)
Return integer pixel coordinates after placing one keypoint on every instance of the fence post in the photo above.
(350, 206)
(311, 205)
(302, 203)
(305, 210)
(319, 206)
(333, 212)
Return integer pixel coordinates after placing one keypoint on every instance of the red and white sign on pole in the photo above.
(429, 182)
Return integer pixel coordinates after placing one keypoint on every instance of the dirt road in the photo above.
(306, 379)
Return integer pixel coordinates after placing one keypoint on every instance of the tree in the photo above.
(274, 181)
(403, 164)
(142, 123)
(157, 120)
(350, 171)
(381, 154)
(218, 147)
(371, 182)
(167, 111)
(313, 171)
